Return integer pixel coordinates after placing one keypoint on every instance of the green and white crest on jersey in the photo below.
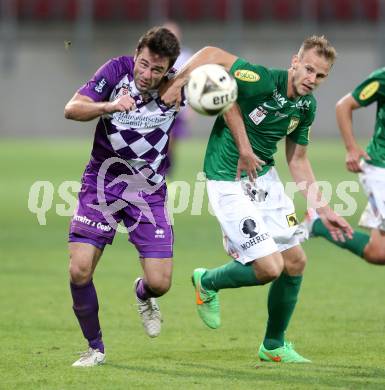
(293, 124)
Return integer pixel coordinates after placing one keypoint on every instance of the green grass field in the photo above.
(339, 321)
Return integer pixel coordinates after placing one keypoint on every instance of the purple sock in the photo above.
(143, 292)
(86, 308)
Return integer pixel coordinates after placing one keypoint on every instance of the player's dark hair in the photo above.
(161, 41)
(322, 47)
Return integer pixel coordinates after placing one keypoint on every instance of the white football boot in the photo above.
(149, 313)
(90, 358)
(305, 228)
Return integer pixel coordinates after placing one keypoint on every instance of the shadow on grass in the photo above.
(287, 375)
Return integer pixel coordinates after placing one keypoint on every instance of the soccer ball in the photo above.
(211, 90)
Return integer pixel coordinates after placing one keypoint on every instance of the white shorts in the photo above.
(373, 182)
(256, 219)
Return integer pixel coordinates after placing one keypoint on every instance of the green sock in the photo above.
(281, 302)
(355, 245)
(230, 275)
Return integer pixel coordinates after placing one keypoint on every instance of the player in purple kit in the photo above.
(124, 181)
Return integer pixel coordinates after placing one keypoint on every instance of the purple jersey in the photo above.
(140, 137)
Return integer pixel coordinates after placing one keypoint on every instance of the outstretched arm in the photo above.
(302, 173)
(248, 161)
(83, 108)
(344, 111)
(170, 92)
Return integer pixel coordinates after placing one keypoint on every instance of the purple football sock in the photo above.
(86, 308)
(143, 292)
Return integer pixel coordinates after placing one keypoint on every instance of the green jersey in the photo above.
(369, 91)
(268, 115)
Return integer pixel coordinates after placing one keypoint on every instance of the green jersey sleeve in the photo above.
(251, 79)
(301, 133)
(371, 89)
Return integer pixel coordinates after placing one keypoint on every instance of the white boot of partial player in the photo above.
(90, 358)
(149, 313)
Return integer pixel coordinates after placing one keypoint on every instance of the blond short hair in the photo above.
(322, 47)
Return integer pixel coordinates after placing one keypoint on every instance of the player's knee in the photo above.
(375, 254)
(83, 259)
(80, 273)
(273, 273)
(270, 271)
(295, 265)
(299, 264)
(268, 276)
(159, 286)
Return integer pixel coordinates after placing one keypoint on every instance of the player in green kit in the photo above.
(369, 164)
(257, 218)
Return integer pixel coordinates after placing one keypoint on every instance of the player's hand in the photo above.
(338, 227)
(250, 163)
(121, 104)
(170, 93)
(353, 159)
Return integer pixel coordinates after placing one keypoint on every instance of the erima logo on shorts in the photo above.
(159, 233)
(247, 75)
(369, 90)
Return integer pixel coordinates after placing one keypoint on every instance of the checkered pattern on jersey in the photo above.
(139, 149)
(140, 136)
(132, 144)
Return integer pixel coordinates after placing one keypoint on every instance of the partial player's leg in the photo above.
(154, 243)
(369, 247)
(89, 233)
(313, 226)
(155, 283)
(282, 299)
(257, 258)
(83, 260)
(208, 282)
(373, 181)
(279, 215)
(374, 251)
